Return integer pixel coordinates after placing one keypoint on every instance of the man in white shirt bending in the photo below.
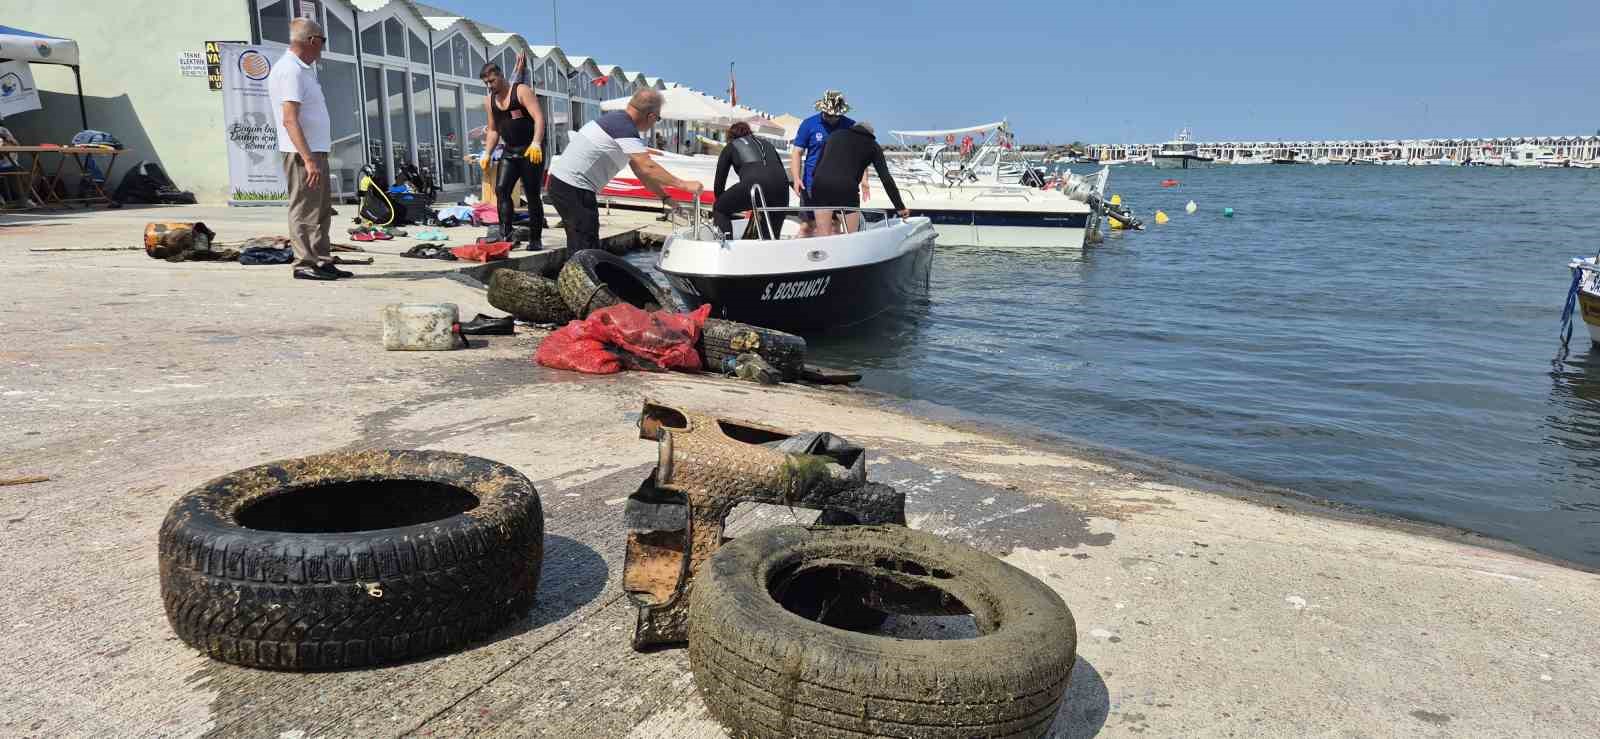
(304, 139)
(598, 152)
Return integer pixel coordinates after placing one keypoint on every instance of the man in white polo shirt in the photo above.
(598, 152)
(304, 138)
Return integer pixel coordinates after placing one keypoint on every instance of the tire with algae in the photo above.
(593, 279)
(721, 339)
(765, 671)
(530, 297)
(350, 559)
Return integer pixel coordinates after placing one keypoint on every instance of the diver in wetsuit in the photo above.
(515, 119)
(757, 163)
(843, 169)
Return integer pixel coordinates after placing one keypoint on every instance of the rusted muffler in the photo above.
(706, 466)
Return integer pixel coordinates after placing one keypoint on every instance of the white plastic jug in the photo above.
(421, 327)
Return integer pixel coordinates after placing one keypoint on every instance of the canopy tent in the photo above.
(684, 104)
(37, 48)
(790, 123)
(985, 128)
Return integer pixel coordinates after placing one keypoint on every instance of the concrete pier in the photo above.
(1205, 607)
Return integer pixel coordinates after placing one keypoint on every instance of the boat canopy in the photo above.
(953, 131)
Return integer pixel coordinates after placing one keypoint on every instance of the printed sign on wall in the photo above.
(192, 63)
(17, 93)
(255, 171)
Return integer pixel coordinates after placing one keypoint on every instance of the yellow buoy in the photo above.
(1116, 225)
(1191, 208)
(1161, 216)
(1116, 199)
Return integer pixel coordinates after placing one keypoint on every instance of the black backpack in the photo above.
(147, 183)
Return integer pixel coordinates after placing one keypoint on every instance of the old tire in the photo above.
(593, 279)
(527, 296)
(350, 559)
(720, 339)
(767, 672)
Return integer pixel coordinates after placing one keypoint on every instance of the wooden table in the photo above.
(42, 181)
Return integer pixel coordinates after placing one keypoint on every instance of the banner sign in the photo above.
(255, 171)
(17, 93)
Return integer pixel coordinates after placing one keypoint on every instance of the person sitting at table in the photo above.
(9, 164)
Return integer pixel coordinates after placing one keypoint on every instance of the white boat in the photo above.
(1250, 158)
(806, 286)
(1180, 153)
(1533, 155)
(1587, 297)
(984, 194)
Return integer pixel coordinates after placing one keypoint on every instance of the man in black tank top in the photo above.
(516, 120)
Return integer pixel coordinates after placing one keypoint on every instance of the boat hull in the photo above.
(1589, 307)
(1181, 162)
(1008, 230)
(804, 301)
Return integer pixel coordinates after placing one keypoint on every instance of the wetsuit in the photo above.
(837, 180)
(515, 126)
(757, 162)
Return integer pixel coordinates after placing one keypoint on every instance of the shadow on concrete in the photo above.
(58, 120)
(1086, 705)
(574, 574)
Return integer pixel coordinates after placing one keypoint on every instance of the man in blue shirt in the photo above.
(810, 138)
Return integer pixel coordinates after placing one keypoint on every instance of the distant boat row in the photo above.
(1183, 153)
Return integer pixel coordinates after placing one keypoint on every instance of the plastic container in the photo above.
(421, 327)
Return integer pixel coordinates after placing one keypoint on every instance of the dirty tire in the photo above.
(527, 296)
(304, 588)
(593, 279)
(720, 339)
(766, 672)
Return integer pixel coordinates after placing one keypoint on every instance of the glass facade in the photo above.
(402, 101)
(275, 21)
(399, 105)
(344, 111)
(372, 106)
(451, 136)
(422, 110)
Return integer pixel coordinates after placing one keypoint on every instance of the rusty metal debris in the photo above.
(707, 465)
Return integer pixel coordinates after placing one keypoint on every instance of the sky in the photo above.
(1109, 72)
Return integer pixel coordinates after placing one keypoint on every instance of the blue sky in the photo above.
(1111, 72)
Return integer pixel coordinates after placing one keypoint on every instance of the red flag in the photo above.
(601, 81)
(733, 86)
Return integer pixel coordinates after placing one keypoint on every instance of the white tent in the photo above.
(684, 104)
(37, 48)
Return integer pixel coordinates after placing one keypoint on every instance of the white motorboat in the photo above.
(1585, 297)
(1532, 155)
(808, 285)
(1246, 158)
(984, 194)
(1180, 153)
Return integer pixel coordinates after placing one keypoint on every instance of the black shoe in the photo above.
(482, 325)
(312, 273)
(329, 269)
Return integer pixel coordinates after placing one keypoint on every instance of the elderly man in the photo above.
(598, 152)
(304, 138)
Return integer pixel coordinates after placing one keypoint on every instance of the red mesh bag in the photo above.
(575, 347)
(482, 252)
(620, 336)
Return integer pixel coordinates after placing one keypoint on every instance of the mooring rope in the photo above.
(1571, 306)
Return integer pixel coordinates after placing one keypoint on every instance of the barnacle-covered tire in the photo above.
(766, 671)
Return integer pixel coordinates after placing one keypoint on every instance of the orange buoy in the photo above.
(1169, 183)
